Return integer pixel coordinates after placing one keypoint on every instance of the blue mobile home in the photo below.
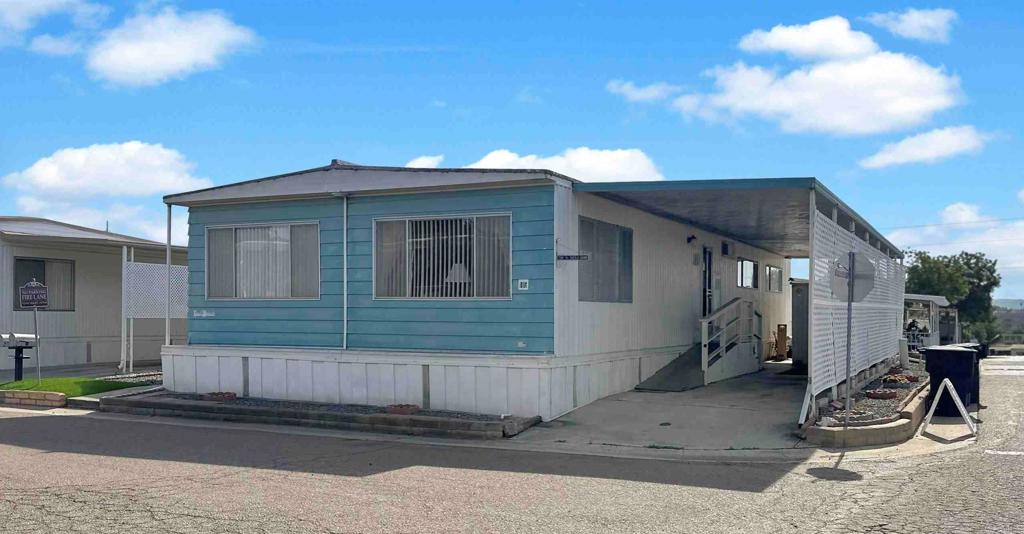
(485, 290)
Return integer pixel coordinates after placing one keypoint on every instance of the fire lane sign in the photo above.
(33, 295)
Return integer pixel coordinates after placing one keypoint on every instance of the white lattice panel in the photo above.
(146, 290)
(876, 319)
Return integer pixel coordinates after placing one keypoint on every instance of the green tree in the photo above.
(966, 279)
(982, 278)
(936, 275)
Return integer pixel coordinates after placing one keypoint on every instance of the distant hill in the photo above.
(1010, 304)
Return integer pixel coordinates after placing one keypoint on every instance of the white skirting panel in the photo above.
(494, 384)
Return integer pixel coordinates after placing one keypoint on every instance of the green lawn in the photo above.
(70, 385)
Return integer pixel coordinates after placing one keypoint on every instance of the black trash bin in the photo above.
(982, 351)
(959, 365)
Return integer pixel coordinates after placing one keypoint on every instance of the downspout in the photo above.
(344, 273)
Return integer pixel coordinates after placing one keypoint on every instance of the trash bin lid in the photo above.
(949, 348)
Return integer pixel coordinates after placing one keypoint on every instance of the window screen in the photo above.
(457, 257)
(746, 273)
(607, 274)
(57, 275)
(275, 261)
(774, 276)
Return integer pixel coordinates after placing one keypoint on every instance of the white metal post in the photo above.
(811, 215)
(131, 324)
(167, 296)
(124, 287)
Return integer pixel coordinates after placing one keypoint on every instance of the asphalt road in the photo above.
(88, 474)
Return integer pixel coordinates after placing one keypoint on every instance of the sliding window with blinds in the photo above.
(270, 261)
(443, 258)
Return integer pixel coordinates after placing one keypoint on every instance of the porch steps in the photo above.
(680, 374)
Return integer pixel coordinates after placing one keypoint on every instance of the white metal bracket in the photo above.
(946, 385)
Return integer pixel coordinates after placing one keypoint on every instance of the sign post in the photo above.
(852, 281)
(34, 295)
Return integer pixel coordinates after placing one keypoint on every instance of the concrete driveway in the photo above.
(756, 411)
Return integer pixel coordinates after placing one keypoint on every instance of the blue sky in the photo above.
(912, 117)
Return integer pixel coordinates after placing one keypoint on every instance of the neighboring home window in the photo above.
(443, 258)
(57, 275)
(270, 261)
(607, 275)
(774, 276)
(746, 273)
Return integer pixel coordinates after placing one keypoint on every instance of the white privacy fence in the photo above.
(145, 290)
(877, 319)
(144, 295)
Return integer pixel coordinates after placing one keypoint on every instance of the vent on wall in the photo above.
(725, 248)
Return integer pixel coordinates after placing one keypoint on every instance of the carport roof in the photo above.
(770, 213)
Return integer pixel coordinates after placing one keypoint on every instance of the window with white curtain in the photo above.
(607, 273)
(774, 276)
(443, 258)
(267, 261)
(746, 273)
(57, 275)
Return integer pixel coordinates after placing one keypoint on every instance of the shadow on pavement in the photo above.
(345, 457)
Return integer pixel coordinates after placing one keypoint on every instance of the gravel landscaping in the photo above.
(865, 408)
(332, 408)
(139, 379)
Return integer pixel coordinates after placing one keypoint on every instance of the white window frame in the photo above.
(233, 226)
(632, 272)
(408, 255)
(739, 275)
(74, 283)
(768, 278)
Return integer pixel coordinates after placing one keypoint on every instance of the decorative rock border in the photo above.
(39, 399)
(885, 432)
(417, 425)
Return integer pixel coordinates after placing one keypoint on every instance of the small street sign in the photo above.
(864, 278)
(33, 295)
(573, 257)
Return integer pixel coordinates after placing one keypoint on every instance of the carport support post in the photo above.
(124, 299)
(851, 273)
(167, 295)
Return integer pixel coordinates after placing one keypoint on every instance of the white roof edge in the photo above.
(346, 179)
(938, 299)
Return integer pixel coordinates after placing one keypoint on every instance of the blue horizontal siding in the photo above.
(524, 323)
(310, 322)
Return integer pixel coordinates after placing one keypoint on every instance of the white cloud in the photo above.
(149, 49)
(964, 227)
(822, 39)
(647, 93)
(133, 168)
(961, 213)
(55, 46)
(932, 25)
(19, 16)
(130, 219)
(1020, 196)
(928, 147)
(426, 162)
(583, 163)
(873, 94)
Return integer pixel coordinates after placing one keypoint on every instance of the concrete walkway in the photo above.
(756, 411)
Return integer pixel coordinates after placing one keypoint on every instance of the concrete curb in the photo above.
(39, 399)
(415, 425)
(887, 433)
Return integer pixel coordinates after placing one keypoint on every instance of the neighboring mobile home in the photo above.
(82, 269)
(497, 290)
